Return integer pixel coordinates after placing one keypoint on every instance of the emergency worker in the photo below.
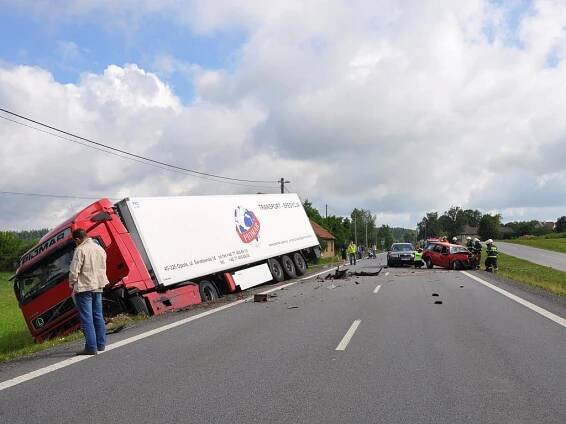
(455, 240)
(476, 249)
(469, 244)
(491, 259)
(352, 250)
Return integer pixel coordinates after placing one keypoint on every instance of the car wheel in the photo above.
(300, 263)
(428, 263)
(276, 270)
(456, 265)
(288, 267)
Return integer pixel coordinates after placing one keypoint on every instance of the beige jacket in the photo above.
(88, 268)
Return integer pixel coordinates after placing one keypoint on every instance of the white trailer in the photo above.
(255, 238)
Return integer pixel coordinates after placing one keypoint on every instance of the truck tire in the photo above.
(207, 290)
(288, 267)
(276, 270)
(300, 263)
(138, 305)
(428, 263)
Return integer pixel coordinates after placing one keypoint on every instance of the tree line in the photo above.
(13, 244)
(361, 226)
(452, 223)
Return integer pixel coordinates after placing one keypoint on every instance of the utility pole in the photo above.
(366, 234)
(283, 182)
(326, 210)
(355, 232)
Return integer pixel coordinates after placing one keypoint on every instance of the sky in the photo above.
(399, 107)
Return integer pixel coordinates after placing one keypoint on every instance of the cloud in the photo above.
(397, 107)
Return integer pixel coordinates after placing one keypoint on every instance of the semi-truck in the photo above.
(166, 253)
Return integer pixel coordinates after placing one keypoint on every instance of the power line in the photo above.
(56, 196)
(131, 158)
(192, 171)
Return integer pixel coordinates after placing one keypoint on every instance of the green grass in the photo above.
(15, 339)
(532, 274)
(555, 244)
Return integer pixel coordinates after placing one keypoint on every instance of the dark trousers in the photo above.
(490, 262)
(352, 258)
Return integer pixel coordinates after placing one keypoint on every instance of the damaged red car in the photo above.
(447, 255)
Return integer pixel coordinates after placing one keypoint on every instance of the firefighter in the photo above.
(469, 244)
(455, 240)
(476, 249)
(491, 259)
(352, 250)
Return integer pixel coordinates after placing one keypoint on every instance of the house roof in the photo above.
(469, 230)
(321, 232)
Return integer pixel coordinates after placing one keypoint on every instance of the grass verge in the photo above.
(532, 274)
(15, 339)
(554, 244)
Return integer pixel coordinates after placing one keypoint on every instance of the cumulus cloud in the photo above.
(398, 107)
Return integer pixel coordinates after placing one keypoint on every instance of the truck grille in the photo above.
(53, 313)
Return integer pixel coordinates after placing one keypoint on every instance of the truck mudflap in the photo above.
(173, 299)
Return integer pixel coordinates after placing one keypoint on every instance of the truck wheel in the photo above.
(428, 263)
(207, 291)
(276, 270)
(138, 305)
(300, 263)
(288, 267)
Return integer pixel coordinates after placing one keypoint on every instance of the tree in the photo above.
(312, 212)
(362, 221)
(560, 225)
(489, 226)
(384, 237)
(473, 217)
(429, 226)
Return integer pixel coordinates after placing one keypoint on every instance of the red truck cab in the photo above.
(45, 268)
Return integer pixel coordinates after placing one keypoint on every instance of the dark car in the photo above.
(401, 254)
(447, 255)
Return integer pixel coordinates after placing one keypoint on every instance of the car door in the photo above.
(444, 257)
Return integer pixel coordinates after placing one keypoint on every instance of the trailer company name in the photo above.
(45, 245)
(285, 205)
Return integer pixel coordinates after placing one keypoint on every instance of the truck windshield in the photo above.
(44, 274)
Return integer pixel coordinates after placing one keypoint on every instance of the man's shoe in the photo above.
(101, 349)
(85, 352)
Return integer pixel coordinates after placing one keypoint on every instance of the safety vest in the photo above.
(352, 248)
(492, 251)
(418, 256)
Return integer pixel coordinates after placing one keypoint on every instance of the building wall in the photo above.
(329, 251)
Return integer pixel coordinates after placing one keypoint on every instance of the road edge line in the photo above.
(541, 311)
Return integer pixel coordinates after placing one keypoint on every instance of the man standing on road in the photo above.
(352, 252)
(469, 243)
(491, 260)
(87, 278)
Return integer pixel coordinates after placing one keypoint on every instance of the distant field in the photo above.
(527, 272)
(555, 244)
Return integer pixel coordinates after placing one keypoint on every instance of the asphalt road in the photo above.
(549, 258)
(479, 357)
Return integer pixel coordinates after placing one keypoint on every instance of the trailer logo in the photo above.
(247, 224)
(46, 245)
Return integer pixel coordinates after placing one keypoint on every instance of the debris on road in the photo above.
(357, 282)
(331, 286)
(435, 294)
(260, 297)
(367, 274)
(438, 302)
(292, 307)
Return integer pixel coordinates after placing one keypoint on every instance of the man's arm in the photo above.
(75, 268)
